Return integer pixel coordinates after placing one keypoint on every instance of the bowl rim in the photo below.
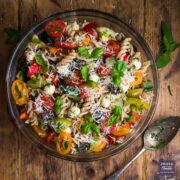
(138, 37)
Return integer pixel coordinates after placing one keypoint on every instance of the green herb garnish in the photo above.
(118, 72)
(39, 59)
(169, 46)
(90, 126)
(96, 53)
(13, 34)
(84, 73)
(117, 112)
(57, 105)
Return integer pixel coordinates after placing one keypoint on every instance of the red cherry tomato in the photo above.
(103, 71)
(111, 139)
(75, 79)
(131, 124)
(91, 29)
(50, 136)
(34, 68)
(126, 57)
(66, 45)
(55, 28)
(83, 94)
(136, 116)
(112, 48)
(47, 102)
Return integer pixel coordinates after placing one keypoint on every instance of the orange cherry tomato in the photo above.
(19, 92)
(121, 131)
(138, 78)
(98, 147)
(64, 143)
(86, 40)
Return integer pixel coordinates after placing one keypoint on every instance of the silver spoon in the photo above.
(155, 137)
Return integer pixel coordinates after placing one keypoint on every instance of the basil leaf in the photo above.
(13, 34)
(116, 81)
(84, 52)
(166, 32)
(120, 66)
(97, 53)
(95, 128)
(113, 120)
(89, 119)
(84, 73)
(58, 101)
(173, 46)
(40, 60)
(166, 43)
(92, 83)
(85, 128)
(163, 60)
(57, 109)
(117, 111)
(45, 69)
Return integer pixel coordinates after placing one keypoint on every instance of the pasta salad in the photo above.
(82, 87)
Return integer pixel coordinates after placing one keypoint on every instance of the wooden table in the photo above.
(20, 160)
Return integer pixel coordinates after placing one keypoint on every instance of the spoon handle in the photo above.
(115, 175)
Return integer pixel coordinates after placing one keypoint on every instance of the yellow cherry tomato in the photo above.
(121, 131)
(138, 78)
(19, 92)
(86, 40)
(97, 147)
(64, 143)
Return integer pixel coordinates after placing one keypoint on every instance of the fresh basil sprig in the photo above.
(13, 34)
(117, 112)
(169, 46)
(39, 59)
(96, 53)
(90, 126)
(118, 72)
(84, 73)
(57, 105)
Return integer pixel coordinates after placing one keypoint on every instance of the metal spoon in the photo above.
(155, 137)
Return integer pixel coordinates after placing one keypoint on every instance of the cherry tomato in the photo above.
(112, 48)
(66, 45)
(19, 92)
(131, 124)
(91, 29)
(136, 116)
(103, 71)
(55, 28)
(50, 136)
(121, 131)
(75, 79)
(64, 143)
(99, 146)
(126, 57)
(47, 102)
(33, 69)
(111, 139)
(83, 94)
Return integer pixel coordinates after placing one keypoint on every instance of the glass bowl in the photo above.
(102, 19)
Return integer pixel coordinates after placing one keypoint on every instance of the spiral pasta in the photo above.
(72, 28)
(126, 47)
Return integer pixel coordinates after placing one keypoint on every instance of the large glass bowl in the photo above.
(102, 19)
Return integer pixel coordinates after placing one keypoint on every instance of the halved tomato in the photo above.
(47, 102)
(112, 48)
(75, 79)
(91, 29)
(103, 71)
(33, 69)
(66, 45)
(55, 28)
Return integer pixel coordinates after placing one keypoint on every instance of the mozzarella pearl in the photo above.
(136, 64)
(30, 55)
(74, 112)
(94, 77)
(106, 102)
(49, 90)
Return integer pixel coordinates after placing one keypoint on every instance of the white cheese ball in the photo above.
(68, 130)
(30, 55)
(106, 102)
(136, 64)
(74, 112)
(49, 89)
(94, 77)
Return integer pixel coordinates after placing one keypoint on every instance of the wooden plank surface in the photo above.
(20, 160)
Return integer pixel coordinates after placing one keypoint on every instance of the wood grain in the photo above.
(20, 160)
